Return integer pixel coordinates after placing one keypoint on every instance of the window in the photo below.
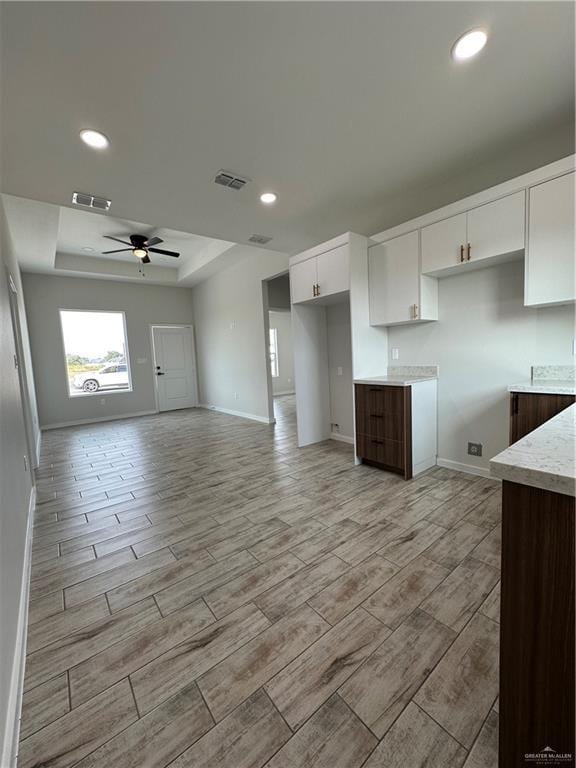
(273, 352)
(96, 352)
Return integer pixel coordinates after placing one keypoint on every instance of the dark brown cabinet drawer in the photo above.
(380, 411)
(388, 453)
(529, 410)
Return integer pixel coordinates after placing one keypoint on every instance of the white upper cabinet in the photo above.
(321, 275)
(333, 271)
(549, 273)
(398, 292)
(493, 231)
(497, 228)
(443, 244)
(303, 279)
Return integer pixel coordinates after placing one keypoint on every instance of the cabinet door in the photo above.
(441, 243)
(550, 274)
(528, 411)
(303, 278)
(394, 278)
(333, 271)
(497, 228)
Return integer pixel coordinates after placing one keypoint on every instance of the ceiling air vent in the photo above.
(230, 180)
(259, 239)
(90, 201)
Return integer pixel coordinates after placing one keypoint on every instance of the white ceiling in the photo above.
(337, 107)
(51, 239)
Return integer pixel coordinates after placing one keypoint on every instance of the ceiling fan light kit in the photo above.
(141, 246)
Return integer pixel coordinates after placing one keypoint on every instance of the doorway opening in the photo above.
(280, 349)
(174, 367)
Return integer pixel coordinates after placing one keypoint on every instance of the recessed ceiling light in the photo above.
(87, 248)
(268, 198)
(94, 139)
(469, 44)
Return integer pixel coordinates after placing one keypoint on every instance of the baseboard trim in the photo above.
(241, 414)
(459, 466)
(97, 419)
(341, 438)
(14, 709)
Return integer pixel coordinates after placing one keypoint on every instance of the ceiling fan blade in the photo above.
(121, 250)
(154, 241)
(145, 260)
(109, 237)
(164, 253)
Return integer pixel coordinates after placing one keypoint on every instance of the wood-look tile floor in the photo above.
(206, 594)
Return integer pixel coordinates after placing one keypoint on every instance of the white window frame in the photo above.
(101, 392)
(273, 351)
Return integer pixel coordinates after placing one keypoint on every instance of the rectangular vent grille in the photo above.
(230, 180)
(90, 201)
(260, 239)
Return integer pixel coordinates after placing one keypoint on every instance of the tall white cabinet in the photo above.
(550, 276)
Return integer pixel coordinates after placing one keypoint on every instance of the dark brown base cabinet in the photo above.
(396, 426)
(537, 628)
(529, 410)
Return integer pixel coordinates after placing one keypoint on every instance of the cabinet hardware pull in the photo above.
(415, 311)
(377, 442)
(468, 252)
(376, 416)
(374, 389)
(461, 253)
(317, 289)
(313, 289)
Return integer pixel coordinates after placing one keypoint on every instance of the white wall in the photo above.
(340, 357)
(283, 384)
(144, 305)
(231, 343)
(15, 496)
(484, 340)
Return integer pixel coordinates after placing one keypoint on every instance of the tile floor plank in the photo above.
(384, 685)
(333, 738)
(416, 741)
(301, 687)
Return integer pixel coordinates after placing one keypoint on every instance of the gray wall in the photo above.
(144, 305)
(230, 334)
(339, 334)
(484, 340)
(284, 382)
(15, 489)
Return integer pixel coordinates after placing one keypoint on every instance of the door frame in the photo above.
(20, 364)
(153, 359)
(266, 328)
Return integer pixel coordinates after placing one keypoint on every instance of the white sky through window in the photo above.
(92, 334)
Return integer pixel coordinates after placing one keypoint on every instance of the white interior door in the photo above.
(175, 367)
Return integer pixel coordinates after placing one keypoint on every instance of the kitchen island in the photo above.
(537, 609)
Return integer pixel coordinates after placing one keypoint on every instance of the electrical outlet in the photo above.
(395, 353)
(235, 395)
(339, 371)
(475, 449)
(102, 401)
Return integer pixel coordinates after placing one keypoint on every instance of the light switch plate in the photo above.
(395, 353)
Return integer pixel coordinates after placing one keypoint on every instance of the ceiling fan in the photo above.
(141, 246)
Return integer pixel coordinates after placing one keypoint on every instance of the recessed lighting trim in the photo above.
(469, 44)
(268, 198)
(94, 139)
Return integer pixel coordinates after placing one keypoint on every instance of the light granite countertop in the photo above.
(394, 381)
(402, 376)
(546, 387)
(546, 458)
